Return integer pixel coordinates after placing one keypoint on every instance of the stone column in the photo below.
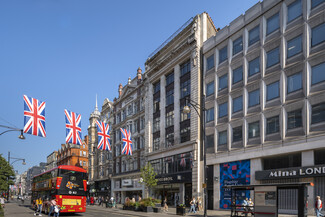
(216, 186)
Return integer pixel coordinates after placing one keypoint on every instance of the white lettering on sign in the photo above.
(307, 171)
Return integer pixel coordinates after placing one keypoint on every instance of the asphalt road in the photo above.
(17, 209)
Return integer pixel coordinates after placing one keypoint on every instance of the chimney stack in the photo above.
(120, 90)
(139, 74)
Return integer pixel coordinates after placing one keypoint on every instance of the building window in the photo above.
(223, 110)
(294, 82)
(156, 124)
(210, 115)
(294, 119)
(223, 82)
(272, 91)
(285, 161)
(209, 141)
(294, 10)
(237, 104)
(156, 143)
(273, 23)
(318, 34)
(238, 45)
(253, 130)
(237, 134)
(222, 138)
(210, 88)
(272, 125)
(318, 73)
(237, 75)
(294, 46)
(272, 57)
(185, 133)
(156, 104)
(185, 88)
(170, 138)
(223, 54)
(319, 156)
(170, 79)
(170, 119)
(254, 35)
(142, 124)
(169, 97)
(318, 113)
(156, 87)
(315, 3)
(185, 68)
(210, 62)
(254, 66)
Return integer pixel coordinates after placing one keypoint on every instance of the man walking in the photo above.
(318, 206)
(53, 204)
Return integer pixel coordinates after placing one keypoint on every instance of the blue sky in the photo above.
(64, 52)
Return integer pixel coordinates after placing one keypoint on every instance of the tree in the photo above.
(148, 176)
(6, 175)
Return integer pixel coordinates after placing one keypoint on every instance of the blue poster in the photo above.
(234, 173)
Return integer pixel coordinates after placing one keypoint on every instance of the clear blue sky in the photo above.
(64, 52)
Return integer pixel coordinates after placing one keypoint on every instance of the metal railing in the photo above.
(171, 37)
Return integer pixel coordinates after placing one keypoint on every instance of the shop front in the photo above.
(127, 187)
(288, 198)
(103, 188)
(176, 188)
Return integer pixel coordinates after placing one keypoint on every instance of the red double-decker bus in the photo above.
(68, 184)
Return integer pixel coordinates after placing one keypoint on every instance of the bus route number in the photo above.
(72, 192)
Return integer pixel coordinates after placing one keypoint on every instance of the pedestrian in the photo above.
(165, 205)
(39, 204)
(2, 202)
(192, 203)
(139, 199)
(52, 205)
(251, 206)
(91, 200)
(245, 206)
(56, 210)
(200, 204)
(318, 206)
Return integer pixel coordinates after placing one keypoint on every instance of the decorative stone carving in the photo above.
(195, 55)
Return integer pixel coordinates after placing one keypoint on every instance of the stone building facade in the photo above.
(129, 113)
(265, 96)
(100, 161)
(174, 74)
(51, 160)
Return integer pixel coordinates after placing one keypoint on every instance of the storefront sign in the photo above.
(174, 178)
(127, 182)
(296, 172)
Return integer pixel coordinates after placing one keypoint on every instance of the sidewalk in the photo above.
(171, 212)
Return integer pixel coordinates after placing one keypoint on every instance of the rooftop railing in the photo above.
(171, 37)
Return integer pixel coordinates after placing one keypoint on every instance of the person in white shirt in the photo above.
(318, 206)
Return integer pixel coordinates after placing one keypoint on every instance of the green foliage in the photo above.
(6, 173)
(148, 176)
(181, 205)
(147, 202)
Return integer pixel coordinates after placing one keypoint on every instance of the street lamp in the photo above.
(201, 114)
(16, 159)
(21, 136)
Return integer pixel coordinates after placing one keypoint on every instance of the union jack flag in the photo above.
(127, 143)
(104, 141)
(183, 161)
(34, 116)
(73, 125)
